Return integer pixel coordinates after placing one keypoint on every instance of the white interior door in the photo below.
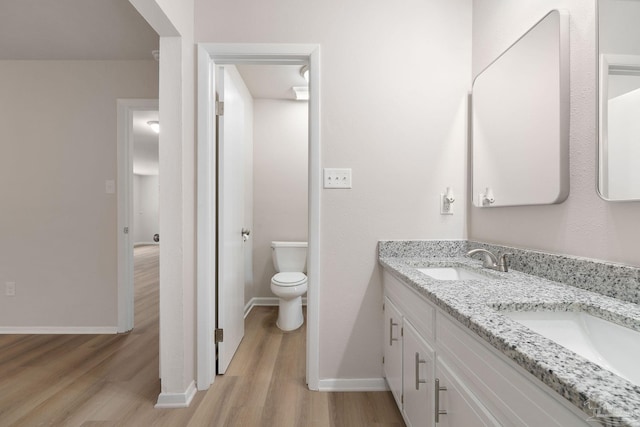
(230, 218)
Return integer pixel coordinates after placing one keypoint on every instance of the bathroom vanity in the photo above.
(452, 355)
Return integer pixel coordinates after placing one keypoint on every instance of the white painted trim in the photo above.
(135, 245)
(125, 110)
(92, 330)
(205, 223)
(353, 384)
(264, 302)
(233, 53)
(313, 251)
(177, 400)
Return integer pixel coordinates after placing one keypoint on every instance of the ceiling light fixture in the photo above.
(155, 125)
(304, 72)
(302, 93)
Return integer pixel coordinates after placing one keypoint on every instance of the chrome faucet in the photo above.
(491, 261)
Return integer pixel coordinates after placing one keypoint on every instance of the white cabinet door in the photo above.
(393, 349)
(456, 404)
(418, 379)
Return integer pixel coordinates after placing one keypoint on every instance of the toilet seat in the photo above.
(289, 278)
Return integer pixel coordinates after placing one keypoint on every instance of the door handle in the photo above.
(245, 234)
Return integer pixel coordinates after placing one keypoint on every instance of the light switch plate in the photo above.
(337, 178)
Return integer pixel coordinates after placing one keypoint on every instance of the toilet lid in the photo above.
(289, 279)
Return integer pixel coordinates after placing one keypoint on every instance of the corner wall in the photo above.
(584, 225)
(58, 232)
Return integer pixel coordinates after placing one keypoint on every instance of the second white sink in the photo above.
(604, 343)
(452, 273)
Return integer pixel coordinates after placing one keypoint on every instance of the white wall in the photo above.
(584, 225)
(280, 152)
(145, 208)
(58, 230)
(394, 82)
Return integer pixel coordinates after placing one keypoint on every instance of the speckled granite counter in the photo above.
(610, 399)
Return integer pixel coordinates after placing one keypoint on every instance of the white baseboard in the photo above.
(264, 302)
(177, 400)
(135, 245)
(31, 330)
(353, 384)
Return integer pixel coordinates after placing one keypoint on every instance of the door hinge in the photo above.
(402, 399)
(383, 360)
(402, 331)
(219, 108)
(126, 230)
(218, 335)
(382, 306)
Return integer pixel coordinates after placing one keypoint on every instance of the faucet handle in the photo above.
(503, 264)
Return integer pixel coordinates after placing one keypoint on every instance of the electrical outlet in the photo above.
(337, 178)
(10, 289)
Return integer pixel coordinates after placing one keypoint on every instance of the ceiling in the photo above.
(108, 30)
(74, 29)
(271, 81)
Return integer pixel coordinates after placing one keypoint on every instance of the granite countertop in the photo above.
(608, 398)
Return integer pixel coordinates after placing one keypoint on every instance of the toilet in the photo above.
(290, 282)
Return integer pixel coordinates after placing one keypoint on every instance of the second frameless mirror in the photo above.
(619, 99)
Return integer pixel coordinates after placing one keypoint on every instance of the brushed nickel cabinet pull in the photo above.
(439, 411)
(418, 362)
(391, 338)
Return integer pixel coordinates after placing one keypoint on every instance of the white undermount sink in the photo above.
(452, 273)
(604, 343)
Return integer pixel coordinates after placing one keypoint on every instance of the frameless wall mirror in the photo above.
(619, 99)
(520, 120)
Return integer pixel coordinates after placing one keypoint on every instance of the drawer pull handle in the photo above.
(391, 338)
(418, 362)
(437, 399)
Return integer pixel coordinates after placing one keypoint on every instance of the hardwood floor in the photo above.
(112, 380)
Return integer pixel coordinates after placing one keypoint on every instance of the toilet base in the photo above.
(290, 315)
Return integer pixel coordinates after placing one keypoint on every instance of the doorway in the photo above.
(133, 118)
(209, 57)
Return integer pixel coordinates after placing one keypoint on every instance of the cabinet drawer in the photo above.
(456, 404)
(511, 394)
(420, 313)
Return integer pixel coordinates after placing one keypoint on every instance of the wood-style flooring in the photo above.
(112, 380)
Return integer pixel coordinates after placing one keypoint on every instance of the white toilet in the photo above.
(290, 283)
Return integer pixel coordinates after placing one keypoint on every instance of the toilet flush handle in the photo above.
(245, 234)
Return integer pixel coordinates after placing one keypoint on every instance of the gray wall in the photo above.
(58, 230)
(145, 208)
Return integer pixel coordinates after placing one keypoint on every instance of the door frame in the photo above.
(125, 110)
(210, 55)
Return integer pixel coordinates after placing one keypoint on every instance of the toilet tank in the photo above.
(289, 256)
